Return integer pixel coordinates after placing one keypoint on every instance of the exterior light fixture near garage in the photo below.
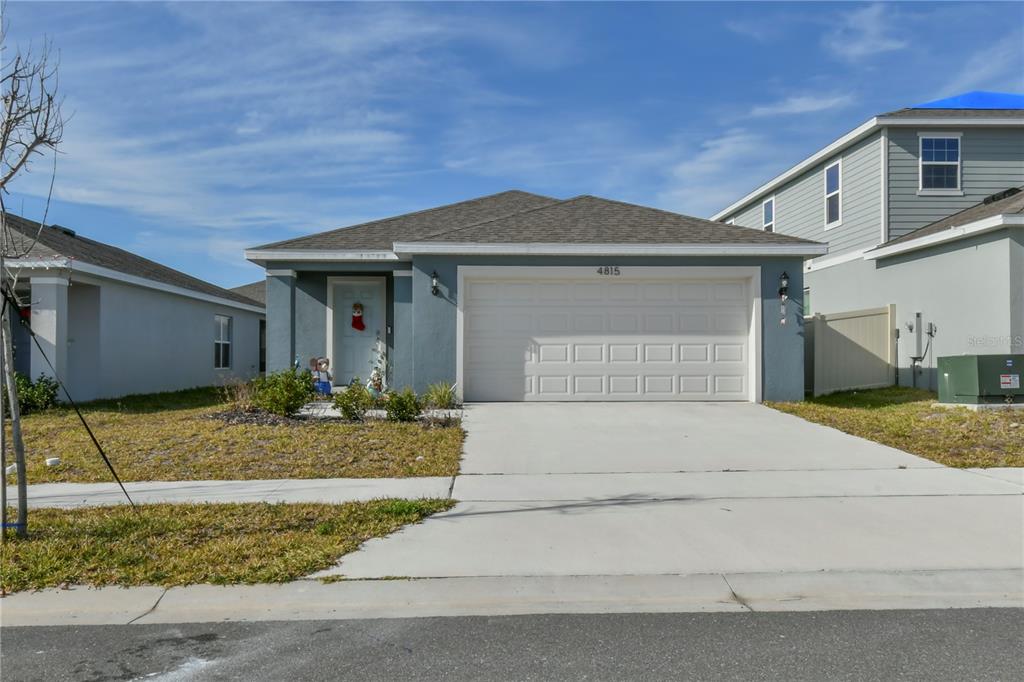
(435, 289)
(783, 295)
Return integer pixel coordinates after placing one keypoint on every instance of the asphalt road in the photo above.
(983, 644)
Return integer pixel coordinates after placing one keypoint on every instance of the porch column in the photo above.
(401, 361)
(49, 303)
(280, 319)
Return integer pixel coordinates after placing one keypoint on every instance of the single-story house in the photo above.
(114, 323)
(517, 296)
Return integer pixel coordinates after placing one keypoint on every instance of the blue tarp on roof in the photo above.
(977, 99)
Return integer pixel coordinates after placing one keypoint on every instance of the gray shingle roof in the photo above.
(380, 235)
(955, 113)
(56, 242)
(1012, 204)
(257, 291)
(593, 220)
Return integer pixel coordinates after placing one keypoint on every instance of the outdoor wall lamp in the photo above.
(434, 288)
(783, 296)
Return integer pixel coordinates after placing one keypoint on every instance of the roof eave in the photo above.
(989, 224)
(807, 250)
(262, 256)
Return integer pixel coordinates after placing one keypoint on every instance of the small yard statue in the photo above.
(322, 376)
(357, 317)
(379, 368)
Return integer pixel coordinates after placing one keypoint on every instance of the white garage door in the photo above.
(606, 338)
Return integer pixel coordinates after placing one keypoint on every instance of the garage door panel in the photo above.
(625, 340)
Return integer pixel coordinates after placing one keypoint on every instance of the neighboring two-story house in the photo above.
(919, 210)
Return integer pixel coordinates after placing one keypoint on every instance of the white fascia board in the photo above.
(849, 138)
(853, 136)
(831, 261)
(970, 122)
(992, 223)
(539, 249)
(301, 255)
(75, 266)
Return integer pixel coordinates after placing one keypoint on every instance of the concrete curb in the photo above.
(326, 490)
(494, 596)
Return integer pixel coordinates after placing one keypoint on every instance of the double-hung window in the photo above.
(833, 194)
(221, 342)
(940, 162)
(768, 215)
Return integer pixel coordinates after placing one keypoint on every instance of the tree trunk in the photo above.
(19, 444)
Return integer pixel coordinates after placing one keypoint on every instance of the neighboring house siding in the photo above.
(800, 204)
(972, 310)
(154, 341)
(992, 160)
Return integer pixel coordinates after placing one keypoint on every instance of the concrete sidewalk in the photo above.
(713, 592)
(325, 490)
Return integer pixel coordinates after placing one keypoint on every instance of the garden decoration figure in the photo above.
(379, 368)
(357, 317)
(322, 376)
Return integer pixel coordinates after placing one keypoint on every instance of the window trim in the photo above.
(839, 192)
(775, 214)
(219, 342)
(957, 191)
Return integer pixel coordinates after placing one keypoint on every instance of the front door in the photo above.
(353, 350)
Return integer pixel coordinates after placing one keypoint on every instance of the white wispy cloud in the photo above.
(999, 66)
(864, 32)
(721, 169)
(802, 104)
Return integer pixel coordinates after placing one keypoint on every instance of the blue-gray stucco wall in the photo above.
(422, 340)
(434, 317)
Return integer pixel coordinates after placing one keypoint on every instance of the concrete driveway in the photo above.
(669, 489)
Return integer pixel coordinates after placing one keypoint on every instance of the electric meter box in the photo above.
(981, 379)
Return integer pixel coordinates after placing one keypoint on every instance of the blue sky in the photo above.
(201, 129)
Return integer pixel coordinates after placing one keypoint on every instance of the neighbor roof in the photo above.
(1010, 204)
(977, 99)
(593, 220)
(257, 291)
(56, 242)
(380, 235)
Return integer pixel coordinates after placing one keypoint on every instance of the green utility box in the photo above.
(981, 379)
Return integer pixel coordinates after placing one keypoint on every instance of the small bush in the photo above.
(354, 401)
(34, 396)
(404, 406)
(240, 394)
(441, 396)
(282, 393)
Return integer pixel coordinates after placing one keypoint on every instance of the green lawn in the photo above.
(909, 419)
(221, 544)
(171, 436)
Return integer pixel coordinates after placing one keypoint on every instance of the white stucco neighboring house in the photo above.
(113, 323)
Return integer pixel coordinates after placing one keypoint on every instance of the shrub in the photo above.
(284, 392)
(441, 396)
(404, 406)
(239, 393)
(34, 396)
(354, 401)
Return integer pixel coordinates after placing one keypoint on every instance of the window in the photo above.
(807, 301)
(833, 191)
(940, 163)
(768, 215)
(221, 342)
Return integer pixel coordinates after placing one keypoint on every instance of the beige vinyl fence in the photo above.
(855, 349)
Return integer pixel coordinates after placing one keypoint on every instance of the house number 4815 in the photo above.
(612, 270)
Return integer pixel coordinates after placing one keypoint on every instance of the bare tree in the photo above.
(32, 126)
